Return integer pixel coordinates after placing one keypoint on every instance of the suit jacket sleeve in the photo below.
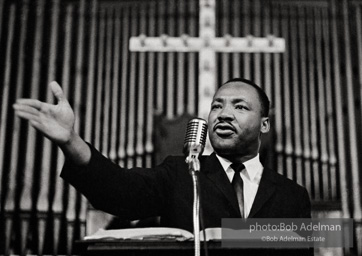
(305, 205)
(129, 193)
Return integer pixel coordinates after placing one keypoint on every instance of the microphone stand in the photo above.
(194, 168)
(194, 144)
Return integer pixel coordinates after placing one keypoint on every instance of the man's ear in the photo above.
(265, 125)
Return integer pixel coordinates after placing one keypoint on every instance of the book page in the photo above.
(155, 233)
(211, 234)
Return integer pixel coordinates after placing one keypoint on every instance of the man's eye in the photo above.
(215, 106)
(240, 107)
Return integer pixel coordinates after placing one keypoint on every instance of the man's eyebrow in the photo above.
(234, 100)
(217, 100)
(237, 100)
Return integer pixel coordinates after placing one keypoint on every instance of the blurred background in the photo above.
(133, 106)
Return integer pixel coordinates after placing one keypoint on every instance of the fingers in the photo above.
(31, 116)
(57, 91)
(26, 108)
(28, 103)
(36, 124)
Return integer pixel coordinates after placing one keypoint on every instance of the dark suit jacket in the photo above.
(167, 191)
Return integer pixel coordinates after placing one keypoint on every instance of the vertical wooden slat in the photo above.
(353, 140)
(247, 22)
(141, 97)
(53, 46)
(218, 26)
(296, 96)
(277, 96)
(100, 74)
(305, 102)
(15, 140)
(236, 32)
(124, 86)
(339, 114)
(359, 47)
(79, 67)
(68, 38)
(115, 84)
(257, 32)
(267, 56)
(88, 121)
(192, 80)
(170, 88)
(150, 88)
(312, 103)
(353, 148)
(70, 217)
(160, 59)
(180, 109)
(66, 89)
(88, 127)
(91, 73)
(321, 103)
(225, 32)
(207, 60)
(10, 200)
(288, 148)
(342, 157)
(107, 82)
(43, 202)
(132, 94)
(71, 213)
(1, 16)
(268, 81)
(57, 206)
(26, 201)
(330, 105)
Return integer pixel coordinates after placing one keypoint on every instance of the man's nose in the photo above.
(226, 114)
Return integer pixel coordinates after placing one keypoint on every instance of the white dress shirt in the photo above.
(251, 178)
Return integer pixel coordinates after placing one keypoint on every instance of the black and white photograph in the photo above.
(181, 127)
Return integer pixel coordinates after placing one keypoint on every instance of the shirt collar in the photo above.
(253, 166)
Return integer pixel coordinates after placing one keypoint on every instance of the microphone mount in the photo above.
(195, 140)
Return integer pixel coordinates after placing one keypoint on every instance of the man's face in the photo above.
(235, 120)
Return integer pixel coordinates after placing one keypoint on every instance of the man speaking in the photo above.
(234, 183)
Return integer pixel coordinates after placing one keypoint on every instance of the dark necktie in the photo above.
(238, 185)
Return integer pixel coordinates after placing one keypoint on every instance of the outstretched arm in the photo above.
(56, 122)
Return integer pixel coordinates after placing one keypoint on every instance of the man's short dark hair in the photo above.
(264, 100)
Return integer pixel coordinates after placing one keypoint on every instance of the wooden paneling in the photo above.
(314, 88)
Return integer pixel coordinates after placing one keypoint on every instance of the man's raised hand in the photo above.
(54, 121)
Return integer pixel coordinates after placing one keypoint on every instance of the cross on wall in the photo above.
(207, 44)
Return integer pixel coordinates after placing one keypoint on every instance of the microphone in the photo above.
(195, 138)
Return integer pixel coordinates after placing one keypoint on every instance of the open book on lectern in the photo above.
(242, 236)
(154, 233)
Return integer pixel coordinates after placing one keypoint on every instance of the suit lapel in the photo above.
(214, 171)
(266, 189)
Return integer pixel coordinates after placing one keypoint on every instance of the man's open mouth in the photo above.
(224, 129)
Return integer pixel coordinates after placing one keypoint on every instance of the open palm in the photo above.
(54, 121)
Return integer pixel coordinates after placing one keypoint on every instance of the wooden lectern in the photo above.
(174, 248)
(147, 247)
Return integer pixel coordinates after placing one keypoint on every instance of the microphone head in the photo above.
(195, 138)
